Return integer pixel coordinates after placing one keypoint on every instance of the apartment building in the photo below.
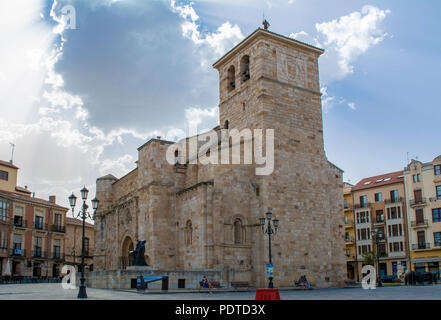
(32, 230)
(74, 234)
(350, 250)
(379, 206)
(423, 193)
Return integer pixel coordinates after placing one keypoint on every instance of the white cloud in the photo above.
(217, 43)
(352, 105)
(352, 35)
(117, 167)
(327, 100)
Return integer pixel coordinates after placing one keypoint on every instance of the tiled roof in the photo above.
(381, 180)
(17, 196)
(437, 158)
(78, 222)
(7, 164)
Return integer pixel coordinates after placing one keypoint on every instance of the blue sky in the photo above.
(77, 103)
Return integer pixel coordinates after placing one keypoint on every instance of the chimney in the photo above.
(52, 199)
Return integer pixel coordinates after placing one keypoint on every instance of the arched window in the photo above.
(188, 233)
(226, 124)
(231, 78)
(245, 68)
(238, 233)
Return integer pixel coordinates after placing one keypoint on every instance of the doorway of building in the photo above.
(383, 269)
(55, 270)
(351, 271)
(127, 246)
(36, 270)
(15, 268)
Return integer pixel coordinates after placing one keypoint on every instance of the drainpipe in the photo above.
(409, 262)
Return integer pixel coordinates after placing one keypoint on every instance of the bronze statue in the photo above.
(137, 255)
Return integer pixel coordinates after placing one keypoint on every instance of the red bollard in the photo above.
(267, 294)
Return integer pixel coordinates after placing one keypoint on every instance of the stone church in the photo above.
(204, 219)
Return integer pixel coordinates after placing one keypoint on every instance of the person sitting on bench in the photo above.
(205, 283)
(304, 282)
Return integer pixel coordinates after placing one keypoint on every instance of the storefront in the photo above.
(427, 265)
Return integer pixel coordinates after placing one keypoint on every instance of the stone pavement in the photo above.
(56, 292)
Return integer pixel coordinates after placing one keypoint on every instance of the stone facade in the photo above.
(201, 218)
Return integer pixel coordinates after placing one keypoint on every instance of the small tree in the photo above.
(370, 258)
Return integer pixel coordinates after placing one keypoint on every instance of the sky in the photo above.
(78, 97)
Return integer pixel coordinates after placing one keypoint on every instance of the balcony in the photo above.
(378, 221)
(349, 240)
(58, 228)
(419, 224)
(4, 250)
(58, 256)
(383, 255)
(419, 202)
(349, 224)
(17, 252)
(4, 219)
(350, 257)
(19, 222)
(393, 200)
(420, 246)
(39, 253)
(40, 226)
(362, 205)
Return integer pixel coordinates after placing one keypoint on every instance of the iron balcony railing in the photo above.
(422, 223)
(18, 252)
(349, 223)
(362, 205)
(420, 246)
(349, 239)
(39, 253)
(57, 255)
(393, 200)
(4, 219)
(58, 228)
(414, 202)
(40, 226)
(19, 222)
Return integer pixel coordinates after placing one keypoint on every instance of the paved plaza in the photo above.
(56, 292)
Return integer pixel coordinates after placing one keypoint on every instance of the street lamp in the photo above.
(269, 229)
(83, 214)
(378, 235)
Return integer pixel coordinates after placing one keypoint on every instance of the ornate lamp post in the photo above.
(83, 214)
(378, 236)
(269, 229)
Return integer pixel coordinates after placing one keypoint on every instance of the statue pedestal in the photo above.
(140, 268)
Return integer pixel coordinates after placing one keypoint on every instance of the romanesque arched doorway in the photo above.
(126, 247)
